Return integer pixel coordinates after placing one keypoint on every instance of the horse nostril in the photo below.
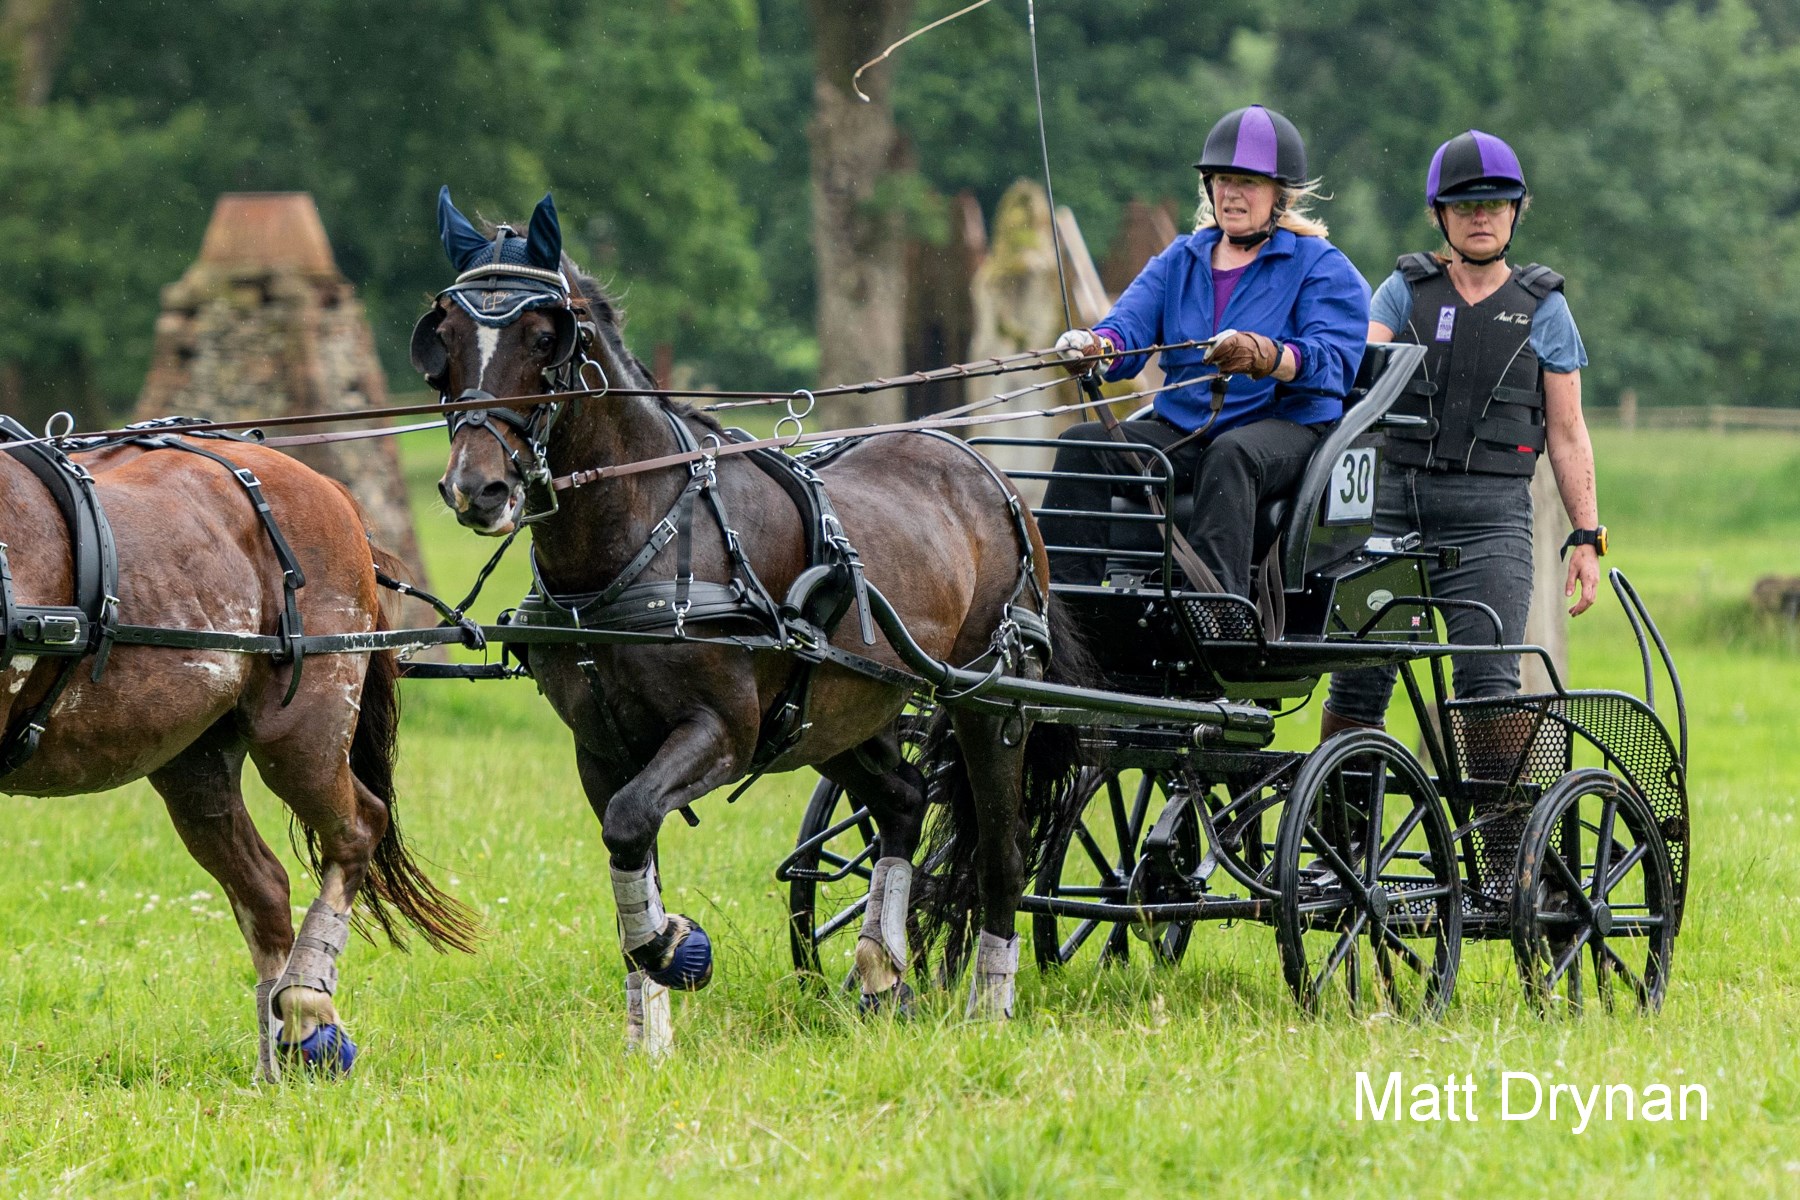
(494, 494)
(444, 491)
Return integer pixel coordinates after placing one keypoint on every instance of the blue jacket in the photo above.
(1299, 289)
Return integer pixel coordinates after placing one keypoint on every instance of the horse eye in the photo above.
(545, 341)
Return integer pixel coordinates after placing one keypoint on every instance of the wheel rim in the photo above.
(820, 909)
(1094, 857)
(1592, 912)
(1370, 915)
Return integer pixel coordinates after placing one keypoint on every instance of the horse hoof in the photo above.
(329, 1051)
(690, 962)
(896, 1002)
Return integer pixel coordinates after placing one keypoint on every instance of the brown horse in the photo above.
(656, 726)
(193, 555)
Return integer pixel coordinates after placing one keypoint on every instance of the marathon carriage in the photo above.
(1371, 867)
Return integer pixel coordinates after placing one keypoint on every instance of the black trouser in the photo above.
(1232, 474)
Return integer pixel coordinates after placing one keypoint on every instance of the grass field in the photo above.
(125, 1002)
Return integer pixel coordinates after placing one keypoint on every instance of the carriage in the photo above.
(1557, 821)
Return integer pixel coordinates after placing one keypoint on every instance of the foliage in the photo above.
(1656, 134)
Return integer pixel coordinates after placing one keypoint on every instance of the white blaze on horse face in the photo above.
(487, 340)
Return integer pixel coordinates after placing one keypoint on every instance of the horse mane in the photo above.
(609, 319)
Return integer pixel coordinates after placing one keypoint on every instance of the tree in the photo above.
(858, 177)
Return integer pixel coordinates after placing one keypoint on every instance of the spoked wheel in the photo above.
(1370, 915)
(828, 879)
(1594, 883)
(1136, 839)
(834, 857)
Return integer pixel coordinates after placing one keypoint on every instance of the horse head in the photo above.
(510, 325)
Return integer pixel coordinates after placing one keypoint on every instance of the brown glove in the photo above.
(1082, 344)
(1251, 354)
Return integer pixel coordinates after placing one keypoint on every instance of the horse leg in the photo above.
(670, 950)
(348, 821)
(996, 775)
(893, 791)
(202, 789)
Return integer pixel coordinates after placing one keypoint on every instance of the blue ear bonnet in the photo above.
(500, 277)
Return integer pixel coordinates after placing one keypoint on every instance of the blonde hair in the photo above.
(1295, 204)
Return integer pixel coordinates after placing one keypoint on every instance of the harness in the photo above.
(91, 626)
(800, 624)
(1480, 387)
(70, 632)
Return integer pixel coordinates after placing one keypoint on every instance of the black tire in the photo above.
(1096, 855)
(1564, 903)
(1370, 915)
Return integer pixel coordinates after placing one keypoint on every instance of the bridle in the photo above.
(495, 296)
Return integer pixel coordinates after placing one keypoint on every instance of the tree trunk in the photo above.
(32, 35)
(858, 241)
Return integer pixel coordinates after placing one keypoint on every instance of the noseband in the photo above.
(495, 296)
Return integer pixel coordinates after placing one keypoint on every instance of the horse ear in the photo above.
(544, 247)
(462, 241)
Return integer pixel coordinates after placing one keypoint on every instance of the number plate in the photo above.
(1350, 496)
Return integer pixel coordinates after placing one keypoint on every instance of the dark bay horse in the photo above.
(656, 726)
(193, 555)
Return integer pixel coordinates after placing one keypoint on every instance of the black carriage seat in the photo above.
(1296, 517)
(1331, 581)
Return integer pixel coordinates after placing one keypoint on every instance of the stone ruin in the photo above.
(264, 325)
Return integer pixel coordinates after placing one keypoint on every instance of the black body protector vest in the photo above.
(1481, 387)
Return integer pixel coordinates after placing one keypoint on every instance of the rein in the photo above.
(1029, 360)
(578, 479)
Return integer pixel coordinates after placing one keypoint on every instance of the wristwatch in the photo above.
(1595, 537)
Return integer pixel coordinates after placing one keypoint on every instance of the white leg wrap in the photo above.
(890, 896)
(648, 1027)
(991, 980)
(312, 963)
(268, 1066)
(639, 901)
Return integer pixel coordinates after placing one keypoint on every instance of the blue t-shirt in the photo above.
(1554, 337)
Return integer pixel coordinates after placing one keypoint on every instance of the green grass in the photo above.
(125, 1033)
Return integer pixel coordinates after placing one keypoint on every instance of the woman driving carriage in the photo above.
(1501, 382)
(1284, 314)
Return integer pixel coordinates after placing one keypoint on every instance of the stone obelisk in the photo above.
(263, 325)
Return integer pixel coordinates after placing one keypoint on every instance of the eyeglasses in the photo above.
(1468, 208)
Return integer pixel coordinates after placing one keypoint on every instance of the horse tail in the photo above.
(396, 886)
(1053, 760)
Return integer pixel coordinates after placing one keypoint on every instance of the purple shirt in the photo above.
(1223, 284)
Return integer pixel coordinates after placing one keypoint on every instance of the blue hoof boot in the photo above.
(690, 961)
(328, 1051)
(896, 1002)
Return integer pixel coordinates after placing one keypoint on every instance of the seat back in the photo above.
(1323, 529)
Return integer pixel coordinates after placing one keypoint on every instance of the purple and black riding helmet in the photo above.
(1255, 141)
(1474, 166)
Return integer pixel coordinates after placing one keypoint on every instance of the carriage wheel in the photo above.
(1098, 855)
(1593, 882)
(828, 883)
(1370, 915)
